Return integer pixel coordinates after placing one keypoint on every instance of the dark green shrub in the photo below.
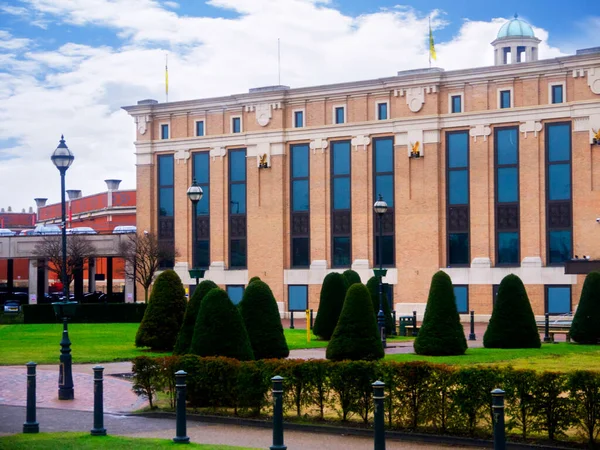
(441, 332)
(585, 328)
(512, 324)
(351, 277)
(373, 287)
(164, 313)
(356, 335)
(584, 387)
(415, 389)
(355, 396)
(184, 338)
(263, 323)
(220, 330)
(519, 386)
(146, 377)
(553, 409)
(331, 301)
(253, 279)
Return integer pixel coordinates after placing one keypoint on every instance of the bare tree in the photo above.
(143, 254)
(78, 250)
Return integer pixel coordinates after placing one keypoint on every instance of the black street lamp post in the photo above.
(62, 159)
(195, 194)
(380, 208)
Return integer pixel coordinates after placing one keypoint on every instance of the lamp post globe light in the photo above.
(195, 194)
(62, 158)
(380, 208)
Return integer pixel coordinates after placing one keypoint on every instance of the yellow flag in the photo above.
(432, 54)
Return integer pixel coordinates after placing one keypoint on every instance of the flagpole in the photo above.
(167, 77)
(278, 63)
(429, 41)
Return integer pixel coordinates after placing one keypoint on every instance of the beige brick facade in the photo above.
(418, 110)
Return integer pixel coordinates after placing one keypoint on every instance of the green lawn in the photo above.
(83, 441)
(92, 343)
(560, 357)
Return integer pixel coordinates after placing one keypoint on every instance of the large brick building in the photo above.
(486, 171)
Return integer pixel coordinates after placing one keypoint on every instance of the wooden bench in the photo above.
(408, 329)
(555, 329)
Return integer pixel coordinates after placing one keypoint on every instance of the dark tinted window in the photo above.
(164, 131)
(506, 146)
(504, 99)
(165, 201)
(557, 94)
(298, 119)
(559, 246)
(458, 188)
(508, 248)
(297, 298)
(200, 128)
(558, 299)
(462, 299)
(238, 252)
(341, 251)
(508, 185)
(456, 104)
(382, 113)
(165, 170)
(458, 247)
(236, 124)
(300, 252)
(299, 161)
(559, 142)
(559, 182)
(339, 115)
(458, 146)
(237, 203)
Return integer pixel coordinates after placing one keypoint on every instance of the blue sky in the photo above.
(66, 66)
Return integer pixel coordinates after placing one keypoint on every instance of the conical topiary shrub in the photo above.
(261, 316)
(585, 328)
(253, 279)
(441, 332)
(184, 339)
(220, 330)
(373, 287)
(352, 277)
(512, 324)
(356, 336)
(164, 313)
(331, 302)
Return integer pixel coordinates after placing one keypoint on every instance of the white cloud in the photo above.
(8, 42)
(78, 89)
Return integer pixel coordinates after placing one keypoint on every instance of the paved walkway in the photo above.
(11, 422)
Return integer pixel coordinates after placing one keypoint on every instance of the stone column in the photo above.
(91, 274)
(129, 284)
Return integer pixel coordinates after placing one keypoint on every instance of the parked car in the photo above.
(81, 230)
(12, 307)
(45, 230)
(4, 232)
(26, 232)
(124, 229)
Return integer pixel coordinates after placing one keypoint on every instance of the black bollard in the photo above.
(277, 414)
(181, 437)
(414, 332)
(379, 425)
(311, 319)
(291, 320)
(472, 336)
(394, 320)
(498, 415)
(31, 425)
(547, 337)
(98, 429)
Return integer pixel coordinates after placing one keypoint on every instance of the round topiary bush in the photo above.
(164, 313)
(331, 301)
(184, 338)
(261, 316)
(441, 332)
(253, 279)
(585, 328)
(220, 330)
(351, 277)
(373, 287)
(512, 324)
(356, 335)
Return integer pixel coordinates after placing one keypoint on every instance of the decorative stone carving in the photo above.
(263, 155)
(263, 112)
(415, 96)
(217, 152)
(593, 78)
(181, 155)
(480, 130)
(360, 140)
(531, 126)
(319, 144)
(141, 122)
(593, 125)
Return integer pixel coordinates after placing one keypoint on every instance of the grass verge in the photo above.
(83, 441)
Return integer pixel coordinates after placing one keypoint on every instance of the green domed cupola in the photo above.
(515, 43)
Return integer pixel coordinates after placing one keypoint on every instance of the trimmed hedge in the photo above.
(441, 332)
(88, 313)
(263, 323)
(220, 329)
(331, 301)
(164, 314)
(351, 277)
(184, 338)
(512, 324)
(585, 328)
(373, 287)
(356, 335)
(419, 396)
